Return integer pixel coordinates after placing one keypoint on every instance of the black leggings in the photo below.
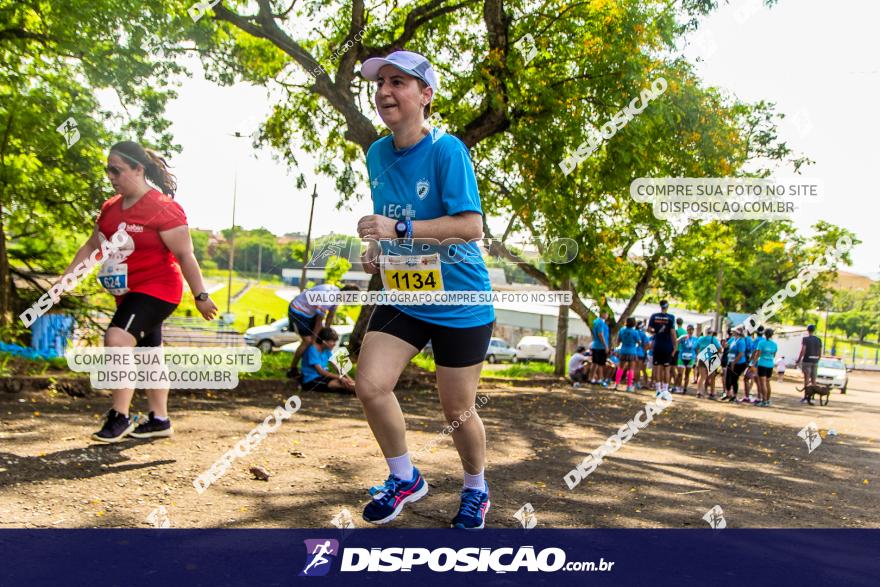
(732, 375)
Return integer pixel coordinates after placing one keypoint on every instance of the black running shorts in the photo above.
(662, 356)
(302, 325)
(600, 356)
(453, 347)
(321, 383)
(765, 371)
(141, 315)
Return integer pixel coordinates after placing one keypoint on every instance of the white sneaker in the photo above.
(666, 396)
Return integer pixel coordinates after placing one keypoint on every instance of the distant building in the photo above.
(358, 278)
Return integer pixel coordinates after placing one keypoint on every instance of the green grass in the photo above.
(426, 362)
(258, 301)
(12, 365)
(844, 350)
(222, 275)
(275, 366)
(521, 370)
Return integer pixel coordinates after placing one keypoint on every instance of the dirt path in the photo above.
(695, 455)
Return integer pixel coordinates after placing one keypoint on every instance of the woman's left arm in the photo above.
(467, 226)
(179, 242)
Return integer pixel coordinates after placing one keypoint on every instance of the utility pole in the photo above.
(825, 334)
(259, 260)
(231, 248)
(302, 277)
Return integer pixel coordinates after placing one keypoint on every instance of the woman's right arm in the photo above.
(85, 250)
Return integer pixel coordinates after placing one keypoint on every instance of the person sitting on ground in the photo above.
(576, 365)
(315, 376)
(307, 319)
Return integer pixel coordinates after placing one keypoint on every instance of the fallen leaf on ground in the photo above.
(259, 473)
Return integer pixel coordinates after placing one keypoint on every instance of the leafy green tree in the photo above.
(336, 267)
(519, 114)
(200, 239)
(753, 260)
(53, 57)
(855, 324)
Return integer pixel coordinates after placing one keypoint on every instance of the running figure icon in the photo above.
(319, 559)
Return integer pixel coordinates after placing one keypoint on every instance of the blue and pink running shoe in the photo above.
(388, 499)
(473, 509)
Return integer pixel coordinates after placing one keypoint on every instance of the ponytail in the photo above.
(155, 166)
(156, 171)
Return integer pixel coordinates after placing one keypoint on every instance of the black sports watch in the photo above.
(400, 228)
(202, 296)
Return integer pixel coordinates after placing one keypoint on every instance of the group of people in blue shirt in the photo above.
(753, 356)
(673, 353)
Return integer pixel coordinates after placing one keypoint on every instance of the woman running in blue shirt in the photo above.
(423, 188)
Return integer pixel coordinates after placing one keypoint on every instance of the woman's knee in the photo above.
(459, 413)
(116, 337)
(368, 389)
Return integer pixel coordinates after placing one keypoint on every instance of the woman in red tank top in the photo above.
(145, 274)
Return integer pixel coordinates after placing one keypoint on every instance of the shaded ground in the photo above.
(695, 455)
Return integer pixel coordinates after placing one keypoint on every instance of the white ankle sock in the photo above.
(475, 481)
(160, 418)
(401, 467)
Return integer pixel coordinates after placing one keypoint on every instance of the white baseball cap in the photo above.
(406, 61)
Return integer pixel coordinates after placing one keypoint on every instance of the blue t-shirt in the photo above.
(686, 347)
(630, 340)
(704, 341)
(599, 326)
(736, 346)
(643, 340)
(313, 357)
(432, 179)
(767, 348)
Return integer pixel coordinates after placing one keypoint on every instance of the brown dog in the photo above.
(820, 390)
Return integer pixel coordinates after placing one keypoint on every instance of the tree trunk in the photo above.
(5, 306)
(562, 336)
(360, 327)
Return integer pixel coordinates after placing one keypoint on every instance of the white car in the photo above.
(832, 371)
(499, 351)
(343, 330)
(270, 336)
(535, 348)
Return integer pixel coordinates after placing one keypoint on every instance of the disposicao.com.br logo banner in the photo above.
(425, 557)
(504, 559)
